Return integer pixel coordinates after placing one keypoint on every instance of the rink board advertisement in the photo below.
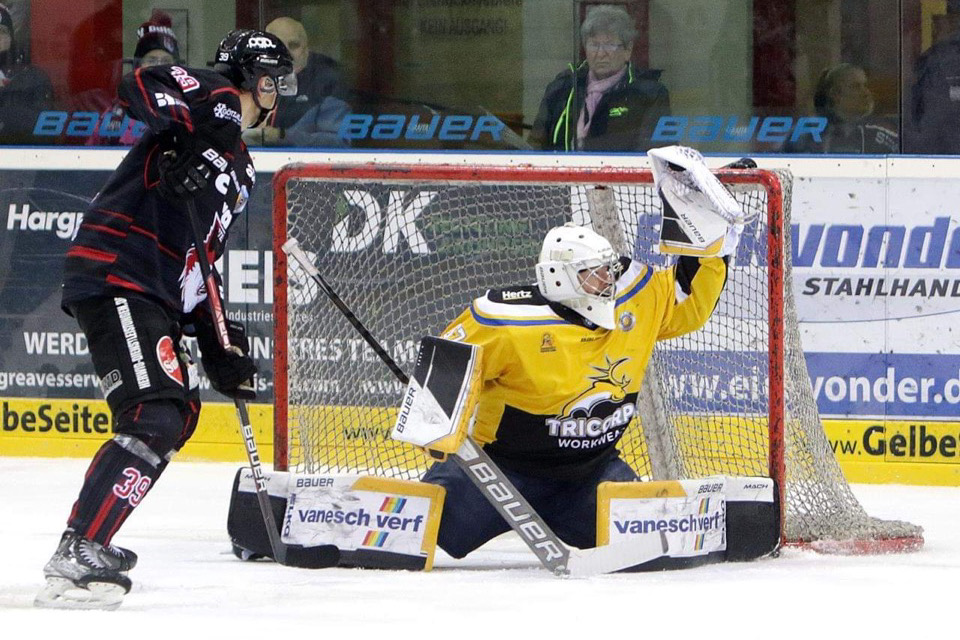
(876, 254)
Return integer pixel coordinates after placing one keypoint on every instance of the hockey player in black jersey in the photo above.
(133, 283)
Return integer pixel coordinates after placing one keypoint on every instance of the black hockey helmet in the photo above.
(246, 55)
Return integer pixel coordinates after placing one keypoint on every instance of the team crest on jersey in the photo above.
(169, 362)
(192, 288)
(626, 321)
(546, 343)
(457, 334)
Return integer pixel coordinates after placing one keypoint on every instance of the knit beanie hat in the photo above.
(9, 56)
(157, 33)
(6, 19)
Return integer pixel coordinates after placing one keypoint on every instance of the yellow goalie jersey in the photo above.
(558, 392)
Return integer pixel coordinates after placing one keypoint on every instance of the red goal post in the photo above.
(407, 247)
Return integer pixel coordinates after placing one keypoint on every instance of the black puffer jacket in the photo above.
(625, 118)
(934, 122)
(319, 79)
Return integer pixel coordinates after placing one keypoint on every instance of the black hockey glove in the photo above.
(230, 371)
(186, 168)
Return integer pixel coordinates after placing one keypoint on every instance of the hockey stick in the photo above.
(294, 556)
(553, 554)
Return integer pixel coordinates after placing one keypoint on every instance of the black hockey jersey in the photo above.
(558, 392)
(133, 239)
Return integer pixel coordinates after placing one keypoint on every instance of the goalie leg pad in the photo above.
(714, 519)
(245, 526)
(371, 522)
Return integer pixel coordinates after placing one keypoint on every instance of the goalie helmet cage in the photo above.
(407, 247)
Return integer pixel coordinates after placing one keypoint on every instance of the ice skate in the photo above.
(126, 557)
(83, 574)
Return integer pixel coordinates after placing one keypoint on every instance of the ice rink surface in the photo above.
(189, 584)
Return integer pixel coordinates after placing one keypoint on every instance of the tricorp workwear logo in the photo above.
(598, 415)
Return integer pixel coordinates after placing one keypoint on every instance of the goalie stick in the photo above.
(484, 473)
(294, 556)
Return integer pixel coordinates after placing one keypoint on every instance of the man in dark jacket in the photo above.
(935, 97)
(605, 104)
(312, 117)
(25, 90)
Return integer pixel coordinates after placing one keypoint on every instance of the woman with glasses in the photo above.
(606, 103)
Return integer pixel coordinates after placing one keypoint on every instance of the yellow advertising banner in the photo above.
(56, 428)
(870, 451)
(897, 451)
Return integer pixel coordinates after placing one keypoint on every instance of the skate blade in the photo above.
(60, 593)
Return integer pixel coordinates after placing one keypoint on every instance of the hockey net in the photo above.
(408, 247)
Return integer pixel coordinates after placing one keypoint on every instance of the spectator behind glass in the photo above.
(935, 97)
(606, 103)
(844, 99)
(312, 117)
(25, 90)
(156, 45)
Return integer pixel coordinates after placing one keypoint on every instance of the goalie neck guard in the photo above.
(578, 269)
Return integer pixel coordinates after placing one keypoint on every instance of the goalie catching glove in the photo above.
(230, 370)
(700, 216)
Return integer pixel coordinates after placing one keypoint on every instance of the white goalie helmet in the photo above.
(578, 268)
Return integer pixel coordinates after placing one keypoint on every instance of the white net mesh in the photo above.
(408, 250)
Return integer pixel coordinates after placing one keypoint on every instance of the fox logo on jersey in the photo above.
(598, 415)
(607, 385)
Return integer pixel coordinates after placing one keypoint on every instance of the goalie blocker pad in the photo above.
(376, 523)
(707, 520)
(441, 399)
